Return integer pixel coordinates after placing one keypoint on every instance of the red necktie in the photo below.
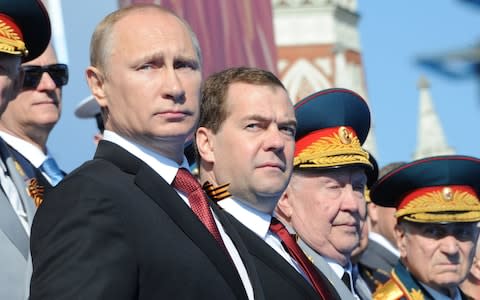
(297, 253)
(187, 184)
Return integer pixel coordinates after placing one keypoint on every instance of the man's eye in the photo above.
(464, 234)
(289, 130)
(359, 187)
(146, 67)
(434, 232)
(186, 65)
(333, 186)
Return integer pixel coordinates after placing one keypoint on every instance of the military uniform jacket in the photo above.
(15, 261)
(345, 294)
(402, 285)
(375, 264)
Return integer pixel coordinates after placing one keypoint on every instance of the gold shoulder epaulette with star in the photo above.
(388, 291)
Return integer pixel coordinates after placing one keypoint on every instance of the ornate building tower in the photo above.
(431, 139)
(319, 47)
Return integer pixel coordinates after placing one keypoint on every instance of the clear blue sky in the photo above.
(392, 33)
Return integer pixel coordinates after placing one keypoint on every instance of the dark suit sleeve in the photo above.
(79, 246)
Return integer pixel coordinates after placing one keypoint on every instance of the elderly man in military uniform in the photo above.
(324, 202)
(24, 35)
(438, 209)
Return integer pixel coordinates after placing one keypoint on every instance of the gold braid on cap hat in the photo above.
(445, 204)
(10, 41)
(340, 146)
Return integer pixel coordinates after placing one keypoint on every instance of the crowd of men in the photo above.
(284, 202)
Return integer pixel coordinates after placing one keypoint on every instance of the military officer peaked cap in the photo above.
(24, 28)
(332, 125)
(441, 189)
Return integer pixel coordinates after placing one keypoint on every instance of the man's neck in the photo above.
(35, 136)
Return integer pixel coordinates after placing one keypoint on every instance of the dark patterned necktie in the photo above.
(297, 253)
(347, 280)
(187, 184)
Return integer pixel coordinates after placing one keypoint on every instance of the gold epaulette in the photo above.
(388, 291)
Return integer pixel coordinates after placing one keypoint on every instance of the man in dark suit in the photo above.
(133, 223)
(246, 139)
(24, 35)
(30, 117)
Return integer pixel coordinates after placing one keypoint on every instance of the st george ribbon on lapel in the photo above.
(50, 167)
(187, 184)
(294, 250)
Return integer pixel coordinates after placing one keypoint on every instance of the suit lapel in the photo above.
(30, 170)
(12, 227)
(20, 180)
(361, 288)
(242, 250)
(327, 271)
(165, 196)
(262, 251)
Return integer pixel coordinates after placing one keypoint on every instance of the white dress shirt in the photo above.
(339, 270)
(259, 223)
(168, 169)
(31, 152)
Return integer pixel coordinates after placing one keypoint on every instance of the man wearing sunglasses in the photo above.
(24, 35)
(31, 116)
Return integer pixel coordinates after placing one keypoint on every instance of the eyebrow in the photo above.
(155, 56)
(260, 118)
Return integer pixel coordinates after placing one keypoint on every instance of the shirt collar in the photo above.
(439, 296)
(256, 221)
(164, 166)
(30, 151)
(339, 269)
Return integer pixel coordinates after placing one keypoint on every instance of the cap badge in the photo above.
(345, 135)
(447, 194)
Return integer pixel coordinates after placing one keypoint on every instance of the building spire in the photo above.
(431, 138)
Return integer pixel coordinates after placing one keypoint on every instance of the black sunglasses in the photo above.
(33, 74)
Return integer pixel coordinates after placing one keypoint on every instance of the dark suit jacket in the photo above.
(114, 229)
(278, 278)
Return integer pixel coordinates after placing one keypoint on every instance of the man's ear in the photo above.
(372, 213)
(284, 209)
(204, 140)
(95, 80)
(401, 238)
